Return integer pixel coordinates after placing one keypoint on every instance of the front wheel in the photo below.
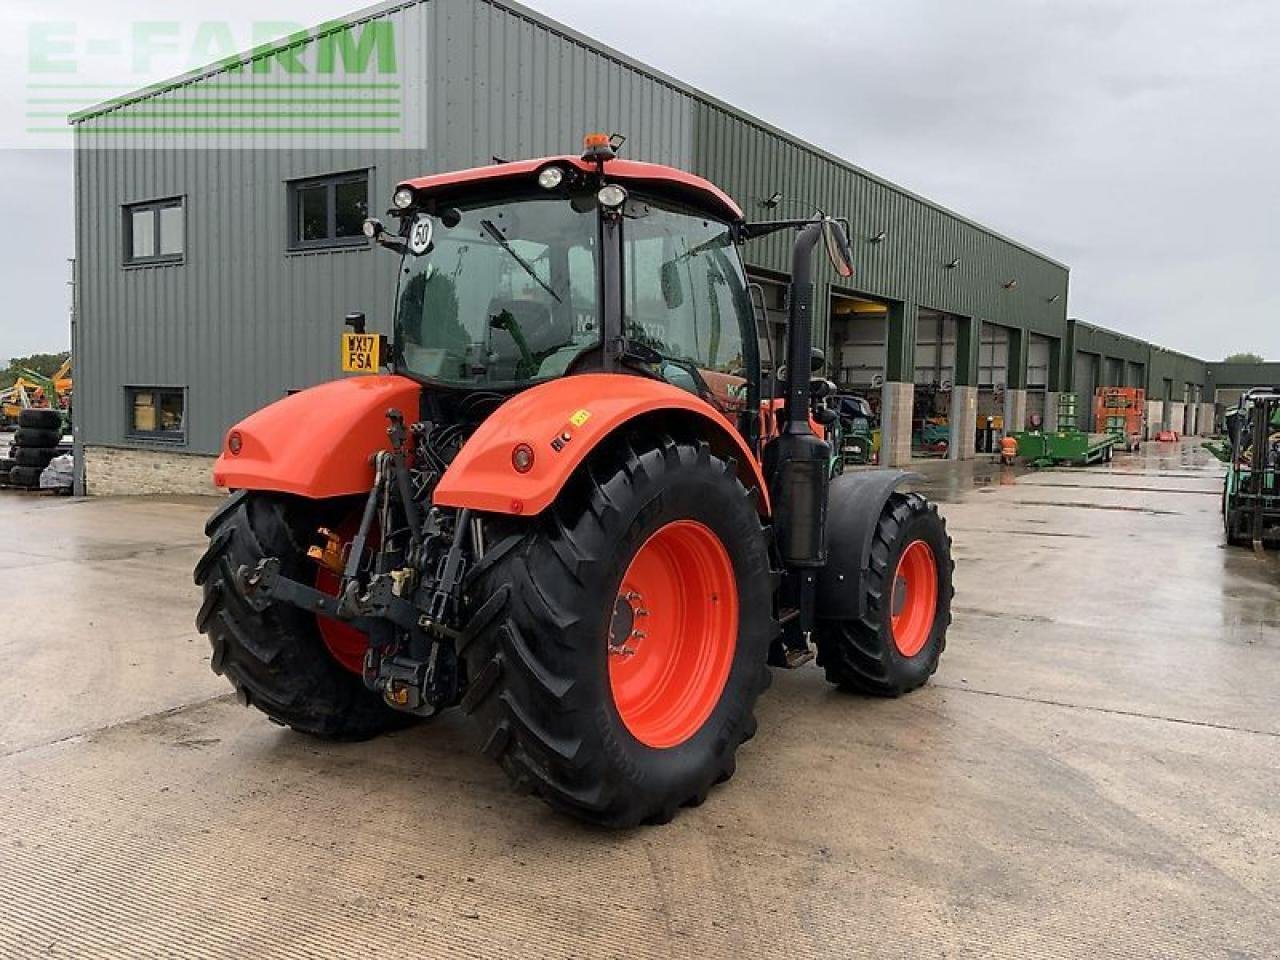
(895, 646)
(619, 640)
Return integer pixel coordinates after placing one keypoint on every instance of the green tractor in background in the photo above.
(857, 444)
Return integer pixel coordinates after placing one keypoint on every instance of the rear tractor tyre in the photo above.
(41, 418)
(895, 647)
(35, 437)
(37, 457)
(21, 476)
(619, 639)
(278, 660)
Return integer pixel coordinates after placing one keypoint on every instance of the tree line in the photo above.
(46, 364)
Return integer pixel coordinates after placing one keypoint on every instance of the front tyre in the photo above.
(619, 640)
(895, 646)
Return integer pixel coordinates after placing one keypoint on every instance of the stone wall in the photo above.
(126, 471)
(1208, 417)
(1015, 411)
(1155, 417)
(1050, 424)
(964, 422)
(896, 401)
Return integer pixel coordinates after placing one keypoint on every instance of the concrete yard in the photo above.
(1093, 772)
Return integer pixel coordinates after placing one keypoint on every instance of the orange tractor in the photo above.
(561, 508)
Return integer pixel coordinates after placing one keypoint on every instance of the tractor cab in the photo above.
(518, 273)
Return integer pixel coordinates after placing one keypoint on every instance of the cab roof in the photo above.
(668, 180)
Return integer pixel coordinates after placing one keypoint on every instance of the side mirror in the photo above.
(817, 360)
(672, 292)
(836, 240)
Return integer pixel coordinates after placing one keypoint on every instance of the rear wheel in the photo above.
(895, 647)
(283, 660)
(1230, 522)
(619, 640)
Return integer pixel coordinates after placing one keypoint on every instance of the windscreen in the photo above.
(507, 294)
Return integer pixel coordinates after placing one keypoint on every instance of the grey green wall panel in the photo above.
(1226, 375)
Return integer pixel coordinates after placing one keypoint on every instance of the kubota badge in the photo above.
(360, 353)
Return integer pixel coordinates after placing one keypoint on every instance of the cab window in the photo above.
(685, 298)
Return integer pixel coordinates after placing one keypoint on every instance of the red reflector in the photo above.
(522, 458)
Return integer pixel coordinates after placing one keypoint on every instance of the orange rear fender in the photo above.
(562, 422)
(318, 442)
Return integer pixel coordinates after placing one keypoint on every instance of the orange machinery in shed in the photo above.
(1121, 411)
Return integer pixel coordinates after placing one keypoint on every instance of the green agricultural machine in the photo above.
(1251, 490)
(857, 444)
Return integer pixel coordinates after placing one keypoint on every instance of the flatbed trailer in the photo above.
(1066, 447)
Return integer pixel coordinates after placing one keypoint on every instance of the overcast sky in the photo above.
(1135, 140)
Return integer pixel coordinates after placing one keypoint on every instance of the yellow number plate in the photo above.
(360, 353)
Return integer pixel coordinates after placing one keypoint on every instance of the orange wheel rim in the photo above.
(673, 634)
(914, 599)
(346, 644)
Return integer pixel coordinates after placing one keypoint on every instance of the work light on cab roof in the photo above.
(568, 495)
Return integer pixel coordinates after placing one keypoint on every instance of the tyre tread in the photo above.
(532, 718)
(275, 658)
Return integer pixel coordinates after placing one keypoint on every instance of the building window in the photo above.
(328, 211)
(155, 232)
(157, 413)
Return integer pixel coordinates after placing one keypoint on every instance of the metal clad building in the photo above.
(185, 344)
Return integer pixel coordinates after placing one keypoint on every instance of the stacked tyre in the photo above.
(34, 445)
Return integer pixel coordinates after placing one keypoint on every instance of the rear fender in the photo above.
(318, 442)
(854, 504)
(563, 421)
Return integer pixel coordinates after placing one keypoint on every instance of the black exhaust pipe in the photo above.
(796, 461)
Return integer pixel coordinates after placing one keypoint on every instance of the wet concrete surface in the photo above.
(1093, 771)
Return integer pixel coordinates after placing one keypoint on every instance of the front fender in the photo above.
(318, 442)
(563, 421)
(854, 504)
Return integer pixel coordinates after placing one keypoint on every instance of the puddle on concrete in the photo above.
(1123, 489)
(1093, 506)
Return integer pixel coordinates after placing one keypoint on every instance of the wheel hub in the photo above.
(914, 602)
(623, 632)
(672, 634)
